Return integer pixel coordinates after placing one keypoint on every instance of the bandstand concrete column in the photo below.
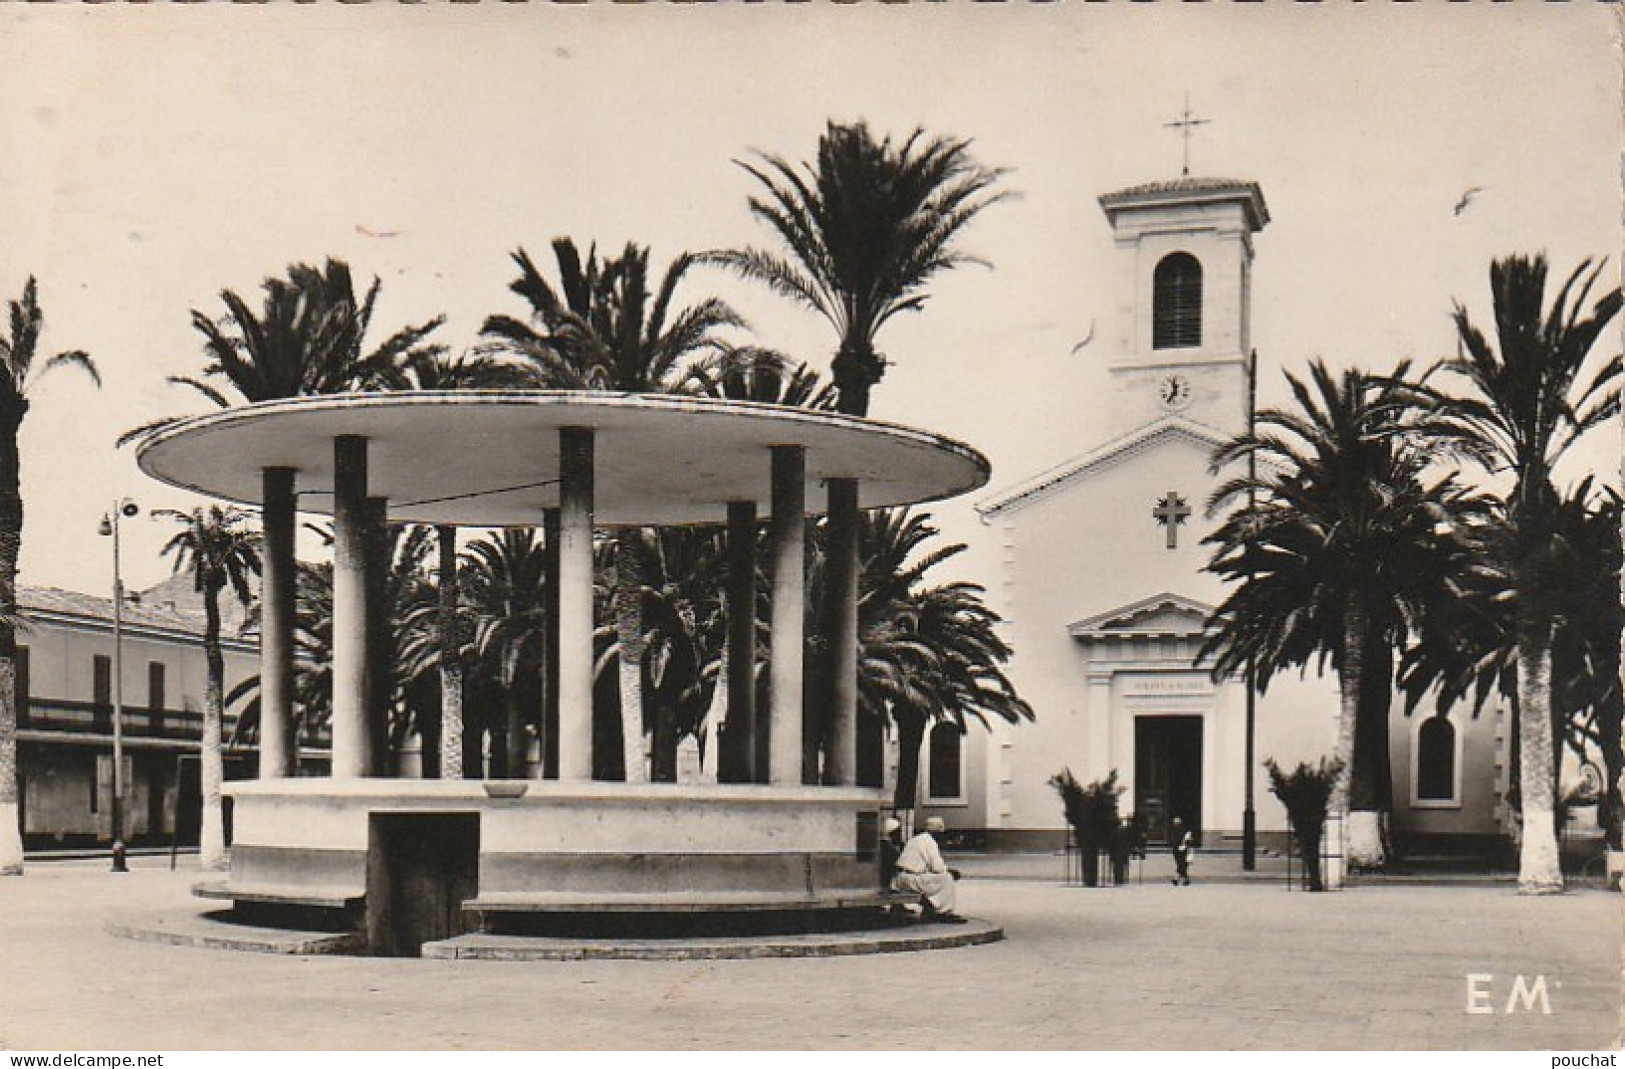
(787, 536)
(841, 600)
(278, 741)
(351, 739)
(379, 651)
(575, 602)
(550, 655)
(737, 750)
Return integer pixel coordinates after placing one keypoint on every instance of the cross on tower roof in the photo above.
(1186, 124)
(1171, 511)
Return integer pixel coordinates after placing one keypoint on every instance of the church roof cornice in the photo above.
(1129, 621)
(1172, 427)
(1183, 191)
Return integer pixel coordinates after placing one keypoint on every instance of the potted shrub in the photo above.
(1091, 810)
(1305, 792)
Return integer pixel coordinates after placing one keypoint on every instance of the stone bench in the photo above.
(273, 894)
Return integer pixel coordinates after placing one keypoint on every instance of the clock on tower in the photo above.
(1174, 391)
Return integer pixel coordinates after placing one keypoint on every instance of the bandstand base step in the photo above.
(921, 936)
(216, 930)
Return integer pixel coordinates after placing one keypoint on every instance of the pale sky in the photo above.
(155, 155)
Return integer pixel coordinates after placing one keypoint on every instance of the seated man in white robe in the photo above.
(921, 871)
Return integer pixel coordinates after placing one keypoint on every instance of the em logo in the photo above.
(1524, 995)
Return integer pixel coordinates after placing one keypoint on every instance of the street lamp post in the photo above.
(1249, 818)
(124, 507)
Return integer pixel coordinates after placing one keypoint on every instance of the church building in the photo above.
(1104, 590)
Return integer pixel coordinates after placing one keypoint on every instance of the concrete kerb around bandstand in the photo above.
(214, 930)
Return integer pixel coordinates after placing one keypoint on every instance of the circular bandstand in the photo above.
(412, 863)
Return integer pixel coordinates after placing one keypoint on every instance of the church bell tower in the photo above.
(1183, 307)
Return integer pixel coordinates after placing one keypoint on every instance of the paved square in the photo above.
(1218, 965)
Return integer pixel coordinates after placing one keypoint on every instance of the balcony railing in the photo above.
(67, 715)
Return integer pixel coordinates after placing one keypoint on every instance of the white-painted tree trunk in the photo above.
(1332, 835)
(1348, 685)
(1540, 871)
(628, 610)
(212, 840)
(11, 840)
(1365, 839)
(11, 843)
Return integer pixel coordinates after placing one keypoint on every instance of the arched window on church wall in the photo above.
(1436, 760)
(1176, 302)
(945, 763)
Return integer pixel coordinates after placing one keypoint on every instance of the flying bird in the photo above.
(1467, 198)
(1087, 338)
(368, 232)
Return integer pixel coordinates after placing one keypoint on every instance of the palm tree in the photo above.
(504, 586)
(751, 373)
(1588, 704)
(309, 337)
(222, 551)
(429, 368)
(1306, 794)
(1337, 546)
(313, 658)
(18, 353)
(1528, 399)
(924, 653)
(604, 328)
(1467, 648)
(863, 229)
(684, 669)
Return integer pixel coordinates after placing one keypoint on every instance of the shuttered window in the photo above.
(1176, 309)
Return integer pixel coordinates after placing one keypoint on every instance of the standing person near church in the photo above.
(921, 871)
(1179, 841)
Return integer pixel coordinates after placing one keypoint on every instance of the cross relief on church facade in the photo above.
(1171, 512)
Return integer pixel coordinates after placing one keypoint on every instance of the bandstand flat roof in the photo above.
(491, 459)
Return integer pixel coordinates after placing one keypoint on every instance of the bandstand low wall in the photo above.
(549, 845)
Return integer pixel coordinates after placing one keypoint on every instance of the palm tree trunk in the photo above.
(11, 538)
(1612, 748)
(1539, 869)
(451, 659)
(1371, 780)
(516, 745)
(11, 842)
(497, 767)
(910, 738)
(854, 371)
(629, 635)
(1349, 674)
(212, 843)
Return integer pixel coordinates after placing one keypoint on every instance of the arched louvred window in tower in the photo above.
(1176, 303)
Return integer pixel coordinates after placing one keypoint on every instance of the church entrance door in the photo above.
(1168, 772)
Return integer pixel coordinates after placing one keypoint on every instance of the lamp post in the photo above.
(124, 507)
(1249, 818)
